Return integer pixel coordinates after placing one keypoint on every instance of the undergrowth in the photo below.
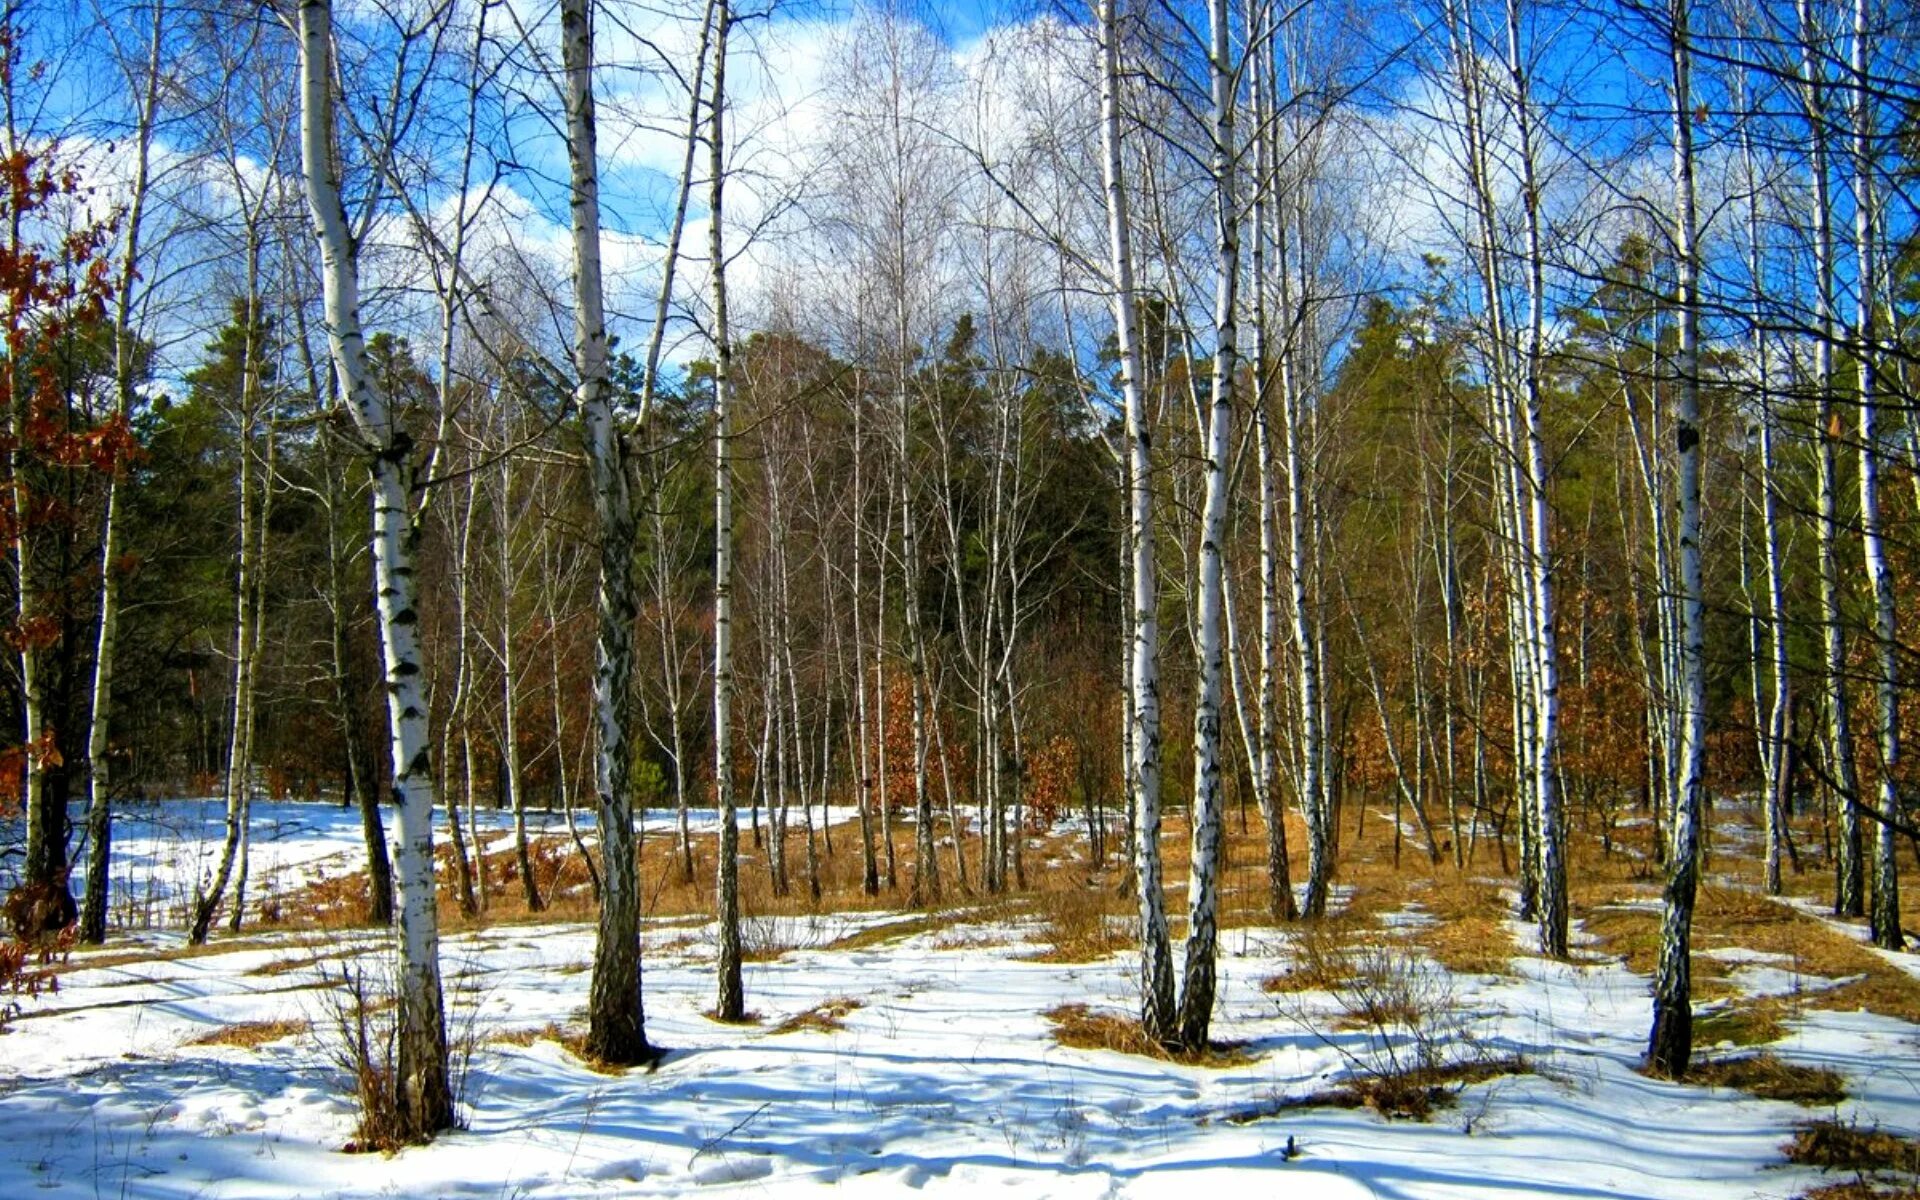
(1084, 1028)
(1883, 1165)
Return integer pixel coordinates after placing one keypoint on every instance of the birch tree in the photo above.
(1849, 887)
(146, 81)
(1670, 1045)
(1203, 879)
(730, 1005)
(1884, 916)
(423, 1098)
(616, 1019)
(1158, 1016)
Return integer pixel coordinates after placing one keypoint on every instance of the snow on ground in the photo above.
(946, 1079)
(161, 848)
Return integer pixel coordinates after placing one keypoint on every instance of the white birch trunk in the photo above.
(869, 865)
(424, 1101)
(1884, 915)
(460, 711)
(616, 1017)
(1775, 760)
(1156, 956)
(1203, 877)
(1543, 641)
(240, 732)
(93, 910)
(510, 687)
(1849, 881)
(731, 1002)
(1670, 1044)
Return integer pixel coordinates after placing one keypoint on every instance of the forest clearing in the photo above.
(1300, 597)
(1411, 1045)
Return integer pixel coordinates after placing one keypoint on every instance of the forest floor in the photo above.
(1411, 1045)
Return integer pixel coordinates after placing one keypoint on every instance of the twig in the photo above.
(713, 1143)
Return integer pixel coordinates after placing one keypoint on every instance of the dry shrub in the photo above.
(336, 902)
(365, 1047)
(1322, 957)
(1083, 1028)
(1415, 1096)
(1417, 1048)
(825, 1017)
(38, 912)
(362, 1039)
(766, 937)
(251, 1035)
(1411, 1096)
(29, 967)
(1771, 1077)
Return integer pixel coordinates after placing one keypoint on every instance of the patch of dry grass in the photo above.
(1883, 1165)
(1847, 1146)
(825, 1017)
(570, 1038)
(880, 933)
(1080, 925)
(1323, 956)
(1468, 934)
(1084, 1028)
(1862, 1189)
(1770, 1078)
(523, 1037)
(251, 1035)
(1745, 1022)
(1731, 917)
(1415, 1095)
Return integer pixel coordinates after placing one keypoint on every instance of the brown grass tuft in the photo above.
(1414, 1096)
(251, 1035)
(1771, 1078)
(1083, 1028)
(1752, 1022)
(1846, 1146)
(825, 1017)
(1862, 1189)
(1884, 1166)
(1080, 926)
(570, 1038)
(1469, 934)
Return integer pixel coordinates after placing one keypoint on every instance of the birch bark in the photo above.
(423, 1097)
(616, 1016)
(1670, 1044)
(1156, 957)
